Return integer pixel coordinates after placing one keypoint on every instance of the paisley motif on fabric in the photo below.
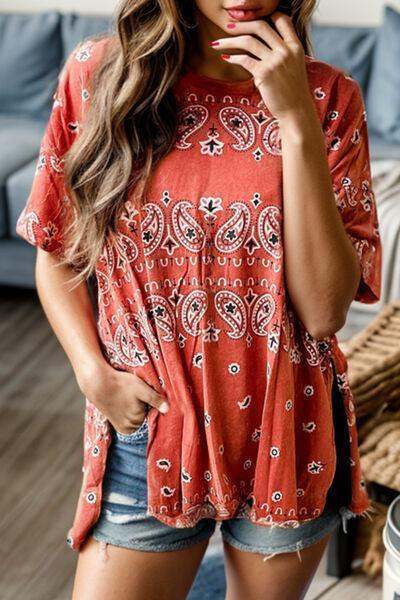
(103, 282)
(27, 221)
(263, 311)
(318, 352)
(127, 351)
(126, 249)
(152, 228)
(271, 138)
(186, 228)
(232, 309)
(140, 327)
(231, 235)
(194, 307)
(160, 313)
(311, 349)
(107, 257)
(269, 230)
(105, 268)
(238, 123)
(191, 119)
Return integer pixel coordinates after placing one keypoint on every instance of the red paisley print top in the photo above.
(192, 299)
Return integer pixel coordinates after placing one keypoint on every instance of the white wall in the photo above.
(349, 12)
(95, 7)
(366, 12)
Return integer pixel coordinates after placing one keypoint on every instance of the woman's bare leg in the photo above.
(280, 577)
(135, 575)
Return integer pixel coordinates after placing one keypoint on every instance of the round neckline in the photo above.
(212, 84)
(246, 87)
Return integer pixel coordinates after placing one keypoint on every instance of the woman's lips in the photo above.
(243, 15)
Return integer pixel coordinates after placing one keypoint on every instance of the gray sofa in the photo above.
(31, 69)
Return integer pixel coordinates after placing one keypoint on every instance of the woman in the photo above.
(215, 389)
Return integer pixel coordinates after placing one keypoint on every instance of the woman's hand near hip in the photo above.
(124, 398)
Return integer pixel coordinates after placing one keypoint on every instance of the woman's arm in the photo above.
(322, 268)
(71, 317)
(118, 394)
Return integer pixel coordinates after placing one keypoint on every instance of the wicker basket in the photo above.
(373, 357)
(374, 363)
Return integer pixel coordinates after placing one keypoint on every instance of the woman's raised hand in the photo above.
(276, 60)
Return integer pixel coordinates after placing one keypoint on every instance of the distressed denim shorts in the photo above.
(123, 520)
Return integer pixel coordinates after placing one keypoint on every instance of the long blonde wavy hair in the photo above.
(132, 120)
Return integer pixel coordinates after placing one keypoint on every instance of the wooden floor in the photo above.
(41, 433)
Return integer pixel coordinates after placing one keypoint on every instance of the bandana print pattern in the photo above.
(192, 299)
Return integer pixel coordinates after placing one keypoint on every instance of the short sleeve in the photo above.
(346, 131)
(49, 210)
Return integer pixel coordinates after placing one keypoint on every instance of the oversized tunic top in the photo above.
(191, 298)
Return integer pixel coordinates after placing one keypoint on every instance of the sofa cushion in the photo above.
(17, 263)
(20, 140)
(348, 48)
(380, 148)
(76, 28)
(30, 55)
(383, 98)
(18, 188)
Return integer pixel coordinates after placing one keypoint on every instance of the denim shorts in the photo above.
(123, 520)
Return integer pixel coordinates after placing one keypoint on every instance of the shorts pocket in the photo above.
(139, 434)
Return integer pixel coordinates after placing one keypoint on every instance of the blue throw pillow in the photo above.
(348, 48)
(383, 97)
(30, 56)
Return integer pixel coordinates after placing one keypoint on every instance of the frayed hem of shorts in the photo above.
(300, 545)
(104, 540)
(347, 514)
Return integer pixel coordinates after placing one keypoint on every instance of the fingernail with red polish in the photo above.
(231, 25)
(214, 44)
(225, 55)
